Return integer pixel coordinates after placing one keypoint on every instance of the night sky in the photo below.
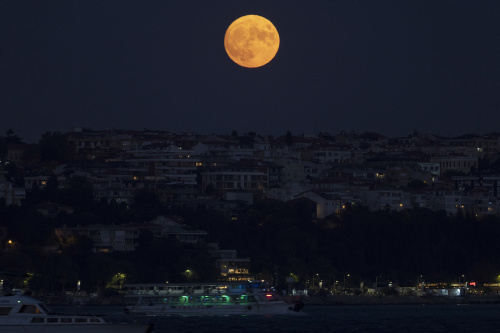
(390, 67)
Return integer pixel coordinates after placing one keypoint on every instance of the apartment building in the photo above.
(232, 268)
(245, 175)
(384, 199)
(105, 238)
(457, 163)
(11, 195)
(327, 203)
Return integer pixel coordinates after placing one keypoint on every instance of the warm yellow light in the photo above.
(251, 41)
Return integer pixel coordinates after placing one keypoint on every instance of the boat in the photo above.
(219, 298)
(21, 313)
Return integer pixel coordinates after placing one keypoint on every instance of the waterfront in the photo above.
(341, 318)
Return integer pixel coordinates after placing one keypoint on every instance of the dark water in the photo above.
(317, 319)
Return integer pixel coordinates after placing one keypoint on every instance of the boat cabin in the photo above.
(26, 310)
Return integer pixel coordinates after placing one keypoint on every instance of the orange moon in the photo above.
(251, 41)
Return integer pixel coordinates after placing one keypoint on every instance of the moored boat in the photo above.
(220, 298)
(20, 313)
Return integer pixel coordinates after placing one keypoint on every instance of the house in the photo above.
(52, 209)
(41, 181)
(448, 200)
(327, 203)
(173, 228)
(11, 194)
(384, 198)
(456, 163)
(106, 238)
(16, 151)
(245, 175)
(231, 267)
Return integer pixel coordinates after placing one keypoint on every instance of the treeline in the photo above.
(281, 239)
(398, 246)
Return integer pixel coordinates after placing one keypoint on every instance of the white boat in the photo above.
(20, 313)
(224, 298)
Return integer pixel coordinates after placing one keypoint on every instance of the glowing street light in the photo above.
(348, 275)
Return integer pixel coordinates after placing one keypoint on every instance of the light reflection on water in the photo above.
(359, 318)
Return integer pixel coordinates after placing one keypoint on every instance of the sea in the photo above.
(319, 319)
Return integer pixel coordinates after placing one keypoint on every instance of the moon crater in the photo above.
(251, 41)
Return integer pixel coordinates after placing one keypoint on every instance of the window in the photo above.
(37, 320)
(5, 310)
(29, 308)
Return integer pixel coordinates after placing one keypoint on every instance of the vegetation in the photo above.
(280, 238)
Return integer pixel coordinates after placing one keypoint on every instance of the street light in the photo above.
(9, 245)
(344, 281)
(462, 276)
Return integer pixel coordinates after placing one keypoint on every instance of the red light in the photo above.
(472, 284)
(269, 295)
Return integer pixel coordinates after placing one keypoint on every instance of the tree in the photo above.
(289, 138)
(55, 273)
(80, 192)
(12, 138)
(34, 196)
(416, 184)
(100, 269)
(51, 192)
(54, 147)
(147, 205)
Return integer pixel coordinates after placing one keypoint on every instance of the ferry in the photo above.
(219, 298)
(21, 313)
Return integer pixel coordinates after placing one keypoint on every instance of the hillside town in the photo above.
(319, 180)
(225, 171)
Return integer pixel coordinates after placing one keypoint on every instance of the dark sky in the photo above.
(384, 66)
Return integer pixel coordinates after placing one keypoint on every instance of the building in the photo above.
(457, 163)
(384, 199)
(244, 175)
(327, 203)
(106, 238)
(12, 195)
(172, 227)
(231, 267)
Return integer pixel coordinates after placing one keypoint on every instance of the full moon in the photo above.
(251, 41)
